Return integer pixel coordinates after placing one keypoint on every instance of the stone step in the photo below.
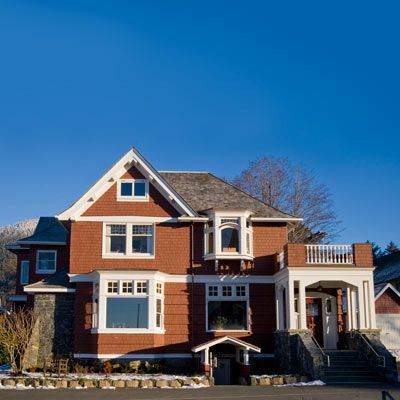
(352, 379)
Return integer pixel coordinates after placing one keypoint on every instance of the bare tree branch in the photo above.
(295, 190)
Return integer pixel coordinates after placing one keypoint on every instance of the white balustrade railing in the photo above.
(329, 254)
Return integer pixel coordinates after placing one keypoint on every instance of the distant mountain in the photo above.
(8, 261)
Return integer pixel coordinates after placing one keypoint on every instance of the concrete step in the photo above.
(352, 379)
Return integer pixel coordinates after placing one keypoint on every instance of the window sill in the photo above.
(127, 331)
(129, 256)
(44, 272)
(133, 199)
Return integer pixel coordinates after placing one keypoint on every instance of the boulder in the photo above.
(188, 382)
(304, 379)
(132, 383)
(290, 379)
(175, 383)
(73, 384)
(119, 383)
(253, 381)
(161, 383)
(61, 384)
(8, 382)
(265, 381)
(103, 383)
(89, 384)
(277, 380)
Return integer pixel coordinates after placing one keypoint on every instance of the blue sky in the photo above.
(201, 86)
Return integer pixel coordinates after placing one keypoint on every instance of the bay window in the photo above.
(127, 303)
(228, 236)
(128, 240)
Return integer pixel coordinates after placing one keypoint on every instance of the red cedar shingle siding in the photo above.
(107, 204)
(388, 303)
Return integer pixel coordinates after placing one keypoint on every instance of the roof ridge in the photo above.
(184, 172)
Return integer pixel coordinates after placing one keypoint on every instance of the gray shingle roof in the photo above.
(388, 268)
(204, 191)
(59, 280)
(48, 230)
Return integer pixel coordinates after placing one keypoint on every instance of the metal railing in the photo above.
(324, 355)
(329, 254)
(353, 333)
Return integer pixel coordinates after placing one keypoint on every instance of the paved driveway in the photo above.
(214, 393)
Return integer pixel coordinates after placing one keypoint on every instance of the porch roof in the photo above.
(226, 339)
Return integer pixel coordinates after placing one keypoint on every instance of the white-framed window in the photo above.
(24, 277)
(133, 190)
(112, 287)
(227, 308)
(129, 240)
(228, 236)
(46, 261)
(159, 288)
(127, 287)
(141, 287)
(127, 305)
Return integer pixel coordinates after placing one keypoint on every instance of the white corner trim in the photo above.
(383, 290)
(49, 290)
(116, 171)
(134, 356)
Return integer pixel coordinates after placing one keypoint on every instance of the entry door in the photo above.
(314, 319)
(222, 374)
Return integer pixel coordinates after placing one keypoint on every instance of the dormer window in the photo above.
(228, 236)
(133, 190)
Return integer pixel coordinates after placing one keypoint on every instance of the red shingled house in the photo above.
(185, 267)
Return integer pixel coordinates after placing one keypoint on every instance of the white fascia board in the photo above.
(42, 243)
(113, 174)
(133, 356)
(227, 339)
(193, 219)
(171, 278)
(383, 290)
(49, 290)
(127, 218)
(270, 219)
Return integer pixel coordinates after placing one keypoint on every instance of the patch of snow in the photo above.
(194, 386)
(311, 383)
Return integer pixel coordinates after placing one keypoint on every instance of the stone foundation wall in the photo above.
(355, 342)
(296, 353)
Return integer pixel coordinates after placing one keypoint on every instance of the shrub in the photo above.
(107, 367)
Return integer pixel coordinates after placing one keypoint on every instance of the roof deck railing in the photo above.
(329, 254)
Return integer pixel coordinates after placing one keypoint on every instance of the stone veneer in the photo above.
(296, 353)
(53, 332)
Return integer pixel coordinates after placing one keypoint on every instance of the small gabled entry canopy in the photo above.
(228, 340)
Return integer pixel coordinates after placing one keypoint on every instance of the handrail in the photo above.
(328, 359)
(353, 333)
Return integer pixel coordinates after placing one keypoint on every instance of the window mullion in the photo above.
(128, 239)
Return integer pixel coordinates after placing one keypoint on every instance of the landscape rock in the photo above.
(265, 381)
(161, 383)
(119, 383)
(277, 380)
(175, 383)
(132, 383)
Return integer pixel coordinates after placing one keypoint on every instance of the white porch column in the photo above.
(290, 314)
(246, 357)
(302, 306)
(355, 324)
(361, 306)
(277, 307)
(371, 299)
(349, 309)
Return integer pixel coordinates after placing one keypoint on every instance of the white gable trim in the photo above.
(132, 157)
(226, 339)
(383, 290)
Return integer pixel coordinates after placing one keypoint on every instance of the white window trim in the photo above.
(217, 229)
(40, 271)
(150, 295)
(128, 242)
(21, 281)
(228, 298)
(133, 197)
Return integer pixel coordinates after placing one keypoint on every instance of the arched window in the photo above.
(230, 240)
